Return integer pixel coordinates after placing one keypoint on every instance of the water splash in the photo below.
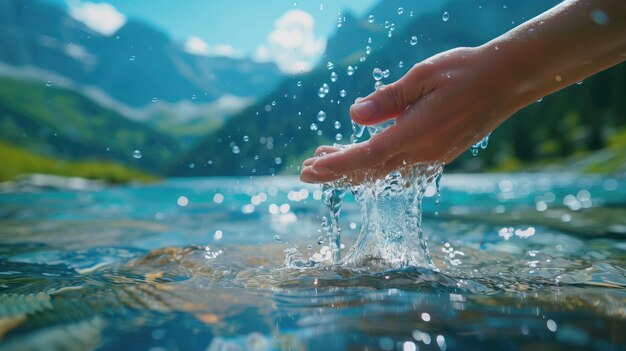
(333, 196)
(391, 211)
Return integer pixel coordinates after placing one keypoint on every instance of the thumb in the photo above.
(388, 101)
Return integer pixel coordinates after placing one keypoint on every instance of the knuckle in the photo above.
(396, 96)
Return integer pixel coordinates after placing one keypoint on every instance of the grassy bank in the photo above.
(17, 161)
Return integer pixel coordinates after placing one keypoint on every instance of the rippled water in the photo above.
(521, 262)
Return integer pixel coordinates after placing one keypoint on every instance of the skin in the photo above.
(450, 101)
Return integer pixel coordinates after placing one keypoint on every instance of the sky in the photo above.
(292, 33)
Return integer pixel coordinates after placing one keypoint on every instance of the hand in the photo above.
(450, 101)
(442, 106)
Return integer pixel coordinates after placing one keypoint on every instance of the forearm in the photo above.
(564, 45)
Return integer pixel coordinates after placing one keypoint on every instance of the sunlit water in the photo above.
(518, 262)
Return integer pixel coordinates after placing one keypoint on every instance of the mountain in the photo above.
(356, 34)
(134, 66)
(578, 119)
(62, 124)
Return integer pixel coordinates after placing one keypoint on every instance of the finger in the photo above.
(367, 155)
(309, 161)
(369, 175)
(391, 100)
(325, 149)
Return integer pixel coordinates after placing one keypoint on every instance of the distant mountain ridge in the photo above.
(135, 66)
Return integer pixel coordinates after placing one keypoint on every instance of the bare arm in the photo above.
(446, 103)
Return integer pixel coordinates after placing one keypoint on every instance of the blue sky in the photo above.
(232, 27)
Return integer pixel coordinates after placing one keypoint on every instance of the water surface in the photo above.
(521, 262)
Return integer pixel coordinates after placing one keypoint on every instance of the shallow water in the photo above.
(522, 262)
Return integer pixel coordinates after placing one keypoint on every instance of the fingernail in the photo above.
(321, 172)
(309, 161)
(363, 110)
(307, 176)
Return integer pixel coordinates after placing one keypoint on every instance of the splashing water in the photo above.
(391, 213)
(391, 210)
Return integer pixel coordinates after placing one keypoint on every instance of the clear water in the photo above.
(520, 262)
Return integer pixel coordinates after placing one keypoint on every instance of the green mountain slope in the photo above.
(18, 161)
(60, 123)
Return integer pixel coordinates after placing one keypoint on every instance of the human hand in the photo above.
(442, 106)
(448, 102)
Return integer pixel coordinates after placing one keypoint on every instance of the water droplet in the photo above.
(273, 103)
(482, 144)
(321, 116)
(400, 10)
(182, 201)
(278, 238)
(154, 99)
(387, 24)
(313, 126)
(333, 77)
(337, 124)
(326, 88)
(579, 82)
(321, 239)
(338, 136)
(137, 154)
(132, 58)
(369, 40)
(386, 73)
(446, 16)
(236, 149)
(330, 65)
(370, 18)
(246, 138)
(378, 85)
(342, 93)
(599, 17)
(362, 59)
(377, 73)
(350, 70)
(193, 96)
(299, 84)
(278, 160)
(413, 40)
(400, 64)
(368, 50)
(321, 93)
(48, 83)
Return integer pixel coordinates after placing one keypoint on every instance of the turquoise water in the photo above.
(521, 262)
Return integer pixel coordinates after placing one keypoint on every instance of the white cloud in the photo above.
(197, 46)
(101, 17)
(262, 54)
(292, 43)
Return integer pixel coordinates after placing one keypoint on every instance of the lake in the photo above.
(523, 262)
